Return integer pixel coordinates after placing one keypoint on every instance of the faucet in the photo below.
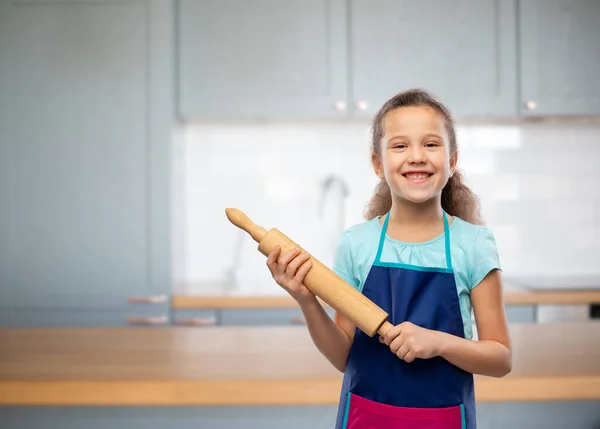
(329, 182)
(333, 181)
(230, 271)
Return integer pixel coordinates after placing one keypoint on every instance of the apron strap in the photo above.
(382, 239)
(447, 242)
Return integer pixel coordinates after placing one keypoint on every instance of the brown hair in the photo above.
(457, 198)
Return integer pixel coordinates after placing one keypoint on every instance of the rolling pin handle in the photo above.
(239, 219)
(384, 328)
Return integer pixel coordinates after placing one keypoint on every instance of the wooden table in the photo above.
(252, 366)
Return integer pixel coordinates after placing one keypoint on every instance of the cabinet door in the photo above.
(264, 316)
(559, 57)
(84, 120)
(461, 50)
(261, 58)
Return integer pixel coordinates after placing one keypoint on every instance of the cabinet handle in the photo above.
(530, 105)
(159, 320)
(298, 320)
(339, 105)
(197, 321)
(361, 105)
(147, 299)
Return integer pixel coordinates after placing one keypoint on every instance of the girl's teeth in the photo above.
(417, 176)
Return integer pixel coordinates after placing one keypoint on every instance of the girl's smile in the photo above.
(417, 176)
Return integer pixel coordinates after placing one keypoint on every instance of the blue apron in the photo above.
(379, 389)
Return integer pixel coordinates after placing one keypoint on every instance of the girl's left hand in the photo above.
(409, 341)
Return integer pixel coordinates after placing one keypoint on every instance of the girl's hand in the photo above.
(289, 271)
(409, 341)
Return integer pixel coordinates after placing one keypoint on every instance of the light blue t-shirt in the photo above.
(473, 250)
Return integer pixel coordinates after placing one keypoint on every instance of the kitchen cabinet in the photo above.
(341, 59)
(559, 57)
(85, 122)
(260, 316)
(194, 317)
(239, 317)
(261, 58)
(521, 313)
(462, 51)
(176, 417)
(264, 316)
(333, 59)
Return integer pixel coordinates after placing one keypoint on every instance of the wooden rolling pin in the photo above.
(321, 281)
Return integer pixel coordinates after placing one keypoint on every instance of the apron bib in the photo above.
(379, 389)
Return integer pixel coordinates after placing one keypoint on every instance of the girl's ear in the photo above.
(453, 162)
(376, 161)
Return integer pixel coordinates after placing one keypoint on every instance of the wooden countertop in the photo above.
(511, 297)
(208, 302)
(252, 366)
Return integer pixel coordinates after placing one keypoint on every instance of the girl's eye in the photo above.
(431, 144)
(399, 146)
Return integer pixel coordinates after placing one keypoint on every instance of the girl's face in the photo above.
(415, 156)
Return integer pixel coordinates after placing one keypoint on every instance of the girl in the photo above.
(424, 258)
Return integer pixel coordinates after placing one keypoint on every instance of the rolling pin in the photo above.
(320, 280)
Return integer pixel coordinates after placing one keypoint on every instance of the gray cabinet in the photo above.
(264, 316)
(335, 58)
(462, 51)
(559, 57)
(240, 317)
(332, 58)
(261, 58)
(85, 121)
(195, 317)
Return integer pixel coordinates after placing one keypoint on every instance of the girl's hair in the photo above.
(457, 198)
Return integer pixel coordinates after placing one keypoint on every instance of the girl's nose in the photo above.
(416, 155)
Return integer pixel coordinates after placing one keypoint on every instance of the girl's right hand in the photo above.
(289, 270)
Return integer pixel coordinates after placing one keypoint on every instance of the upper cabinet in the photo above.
(333, 58)
(559, 57)
(343, 58)
(462, 51)
(261, 58)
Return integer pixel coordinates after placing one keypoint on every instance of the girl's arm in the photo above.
(331, 338)
(491, 355)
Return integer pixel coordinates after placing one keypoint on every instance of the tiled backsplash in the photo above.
(539, 185)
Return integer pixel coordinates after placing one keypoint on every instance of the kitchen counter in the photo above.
(554, 283)
(253, 366)
(512, 296)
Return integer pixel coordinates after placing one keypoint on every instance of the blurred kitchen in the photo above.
(127, 128)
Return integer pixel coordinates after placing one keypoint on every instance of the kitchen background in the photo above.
(152, 117)
(127, 127)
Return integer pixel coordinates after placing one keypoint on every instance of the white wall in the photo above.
(539, 186)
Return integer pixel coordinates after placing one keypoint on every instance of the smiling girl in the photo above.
(423, 256)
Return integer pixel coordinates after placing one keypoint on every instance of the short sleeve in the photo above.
(484, 258)
(343, 262)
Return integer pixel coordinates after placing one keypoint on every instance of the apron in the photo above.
(379, 389)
